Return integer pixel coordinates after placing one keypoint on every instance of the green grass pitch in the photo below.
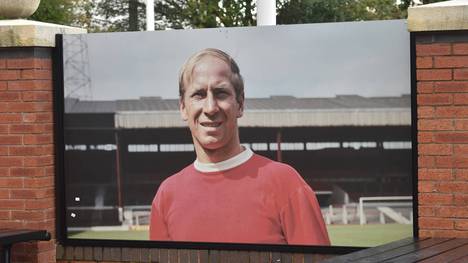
(340, 235)
(368, 235)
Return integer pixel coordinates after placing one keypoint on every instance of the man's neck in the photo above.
(217, 155)
(230, 163)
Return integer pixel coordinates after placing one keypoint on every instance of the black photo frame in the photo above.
(61, 189)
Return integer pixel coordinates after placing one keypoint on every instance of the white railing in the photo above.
(380, 201)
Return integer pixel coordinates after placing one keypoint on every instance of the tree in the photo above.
(204, 14)
(314, 11)
(65, 12)
(307, 11)
(129, 15)
(54, 11)
(122, 15)
(94, 15)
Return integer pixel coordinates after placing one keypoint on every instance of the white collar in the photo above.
(232, 162)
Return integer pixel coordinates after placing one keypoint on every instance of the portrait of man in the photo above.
(229, 193)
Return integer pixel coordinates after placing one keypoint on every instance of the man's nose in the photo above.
(211, 105)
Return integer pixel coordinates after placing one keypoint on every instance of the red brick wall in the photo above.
(442, 98)
(26, 148)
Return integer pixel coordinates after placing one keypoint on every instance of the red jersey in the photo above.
(258, 201)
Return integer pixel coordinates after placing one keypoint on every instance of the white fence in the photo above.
(385, 205)
(378, 208)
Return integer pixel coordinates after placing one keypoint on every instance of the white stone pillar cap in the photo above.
(441, 16)
(27, 33)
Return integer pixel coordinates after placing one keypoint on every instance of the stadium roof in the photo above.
(275, 111)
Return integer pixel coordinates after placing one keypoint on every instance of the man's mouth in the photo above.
(210, 124)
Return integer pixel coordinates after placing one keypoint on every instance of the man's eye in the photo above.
(222, 94)
(197, 95)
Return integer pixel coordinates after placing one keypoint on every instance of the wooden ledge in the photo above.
(427, 250)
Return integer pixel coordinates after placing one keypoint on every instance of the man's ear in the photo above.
(183, 110)
(241, 107)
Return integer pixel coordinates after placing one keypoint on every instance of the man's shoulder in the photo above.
(273, 167)
(280, 178)
(177, 178)
(277, 173)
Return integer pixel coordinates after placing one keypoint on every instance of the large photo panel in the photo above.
(330, 103)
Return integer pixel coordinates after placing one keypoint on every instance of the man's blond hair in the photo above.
(186, 71)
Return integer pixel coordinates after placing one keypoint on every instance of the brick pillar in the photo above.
(26, 134)
(441, 37)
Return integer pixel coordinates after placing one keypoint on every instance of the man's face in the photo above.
(209, 105)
